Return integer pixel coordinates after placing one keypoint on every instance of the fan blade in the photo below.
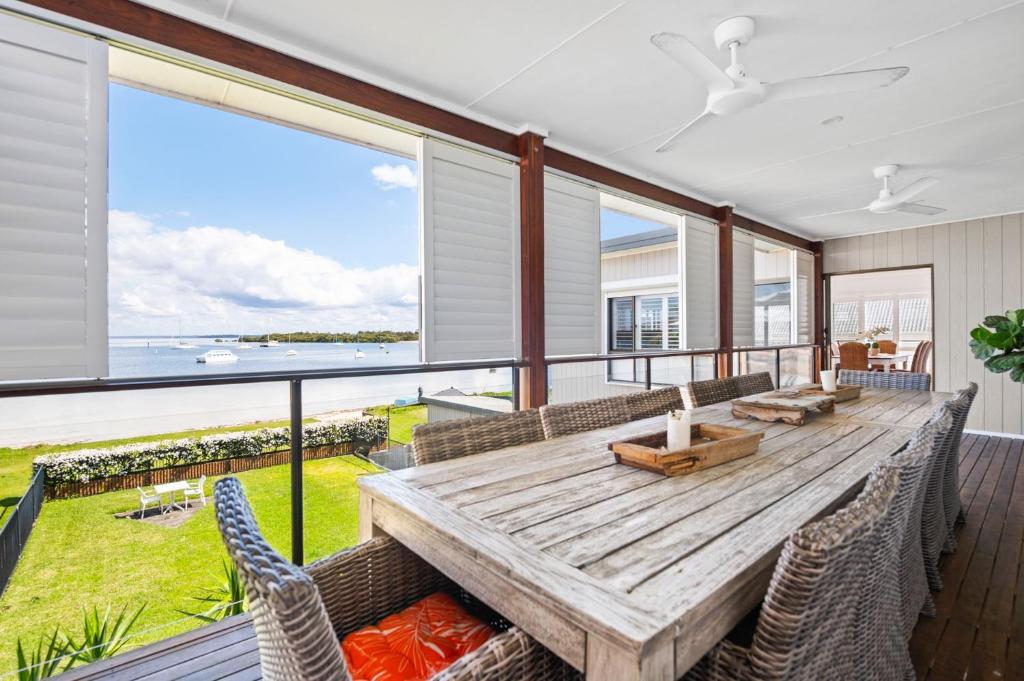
(920, 209)
(687, 54)
(913, 189)
(835, 212)
(672, 141)
(832, 84)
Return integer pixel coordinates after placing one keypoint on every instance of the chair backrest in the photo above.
(293, 631)
(461, 437)
(922, 353)
(853, 356)
(648, 403)
(752, 384)
(960, 408)
(933, 515)
(703, 393)
(576, 417)
(901, 380)
(887, 346)
(807, 628)
(142, 492)
(202, 480)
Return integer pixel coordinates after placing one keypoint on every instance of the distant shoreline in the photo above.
(324, 337)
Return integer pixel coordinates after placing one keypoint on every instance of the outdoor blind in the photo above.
(572, 267)
(469, 209)
(699, 283)
(53, 203)
(742, 289)
(805, 302)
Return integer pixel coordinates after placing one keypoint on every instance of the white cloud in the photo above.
(390, 177)
(222, 280)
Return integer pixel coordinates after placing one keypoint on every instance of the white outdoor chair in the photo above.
(197, 491)
(147, 498)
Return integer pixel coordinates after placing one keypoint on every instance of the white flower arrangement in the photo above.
(871, 334)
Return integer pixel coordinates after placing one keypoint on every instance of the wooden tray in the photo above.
(788, 406)
(710, 445)
(843, 392)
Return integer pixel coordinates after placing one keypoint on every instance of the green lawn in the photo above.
(79, 554)
(402, 420)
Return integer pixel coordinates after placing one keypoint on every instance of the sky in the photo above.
(235, 225)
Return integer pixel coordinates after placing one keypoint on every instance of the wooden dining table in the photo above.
(624, 573)
(888, 360)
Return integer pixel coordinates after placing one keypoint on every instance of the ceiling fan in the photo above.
(732, 90)
(889, 202)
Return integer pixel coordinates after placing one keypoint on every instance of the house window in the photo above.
(644, 323)
(622, 323)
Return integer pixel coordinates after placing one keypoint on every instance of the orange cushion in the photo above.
(416, 643)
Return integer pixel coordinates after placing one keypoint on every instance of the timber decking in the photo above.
(978, 634)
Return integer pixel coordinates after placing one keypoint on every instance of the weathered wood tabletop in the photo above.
(624, 573)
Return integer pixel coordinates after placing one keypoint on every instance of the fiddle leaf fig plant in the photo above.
(999, 342)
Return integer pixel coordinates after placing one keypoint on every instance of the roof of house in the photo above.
(449, 392)
(471, 404)
(653, 237)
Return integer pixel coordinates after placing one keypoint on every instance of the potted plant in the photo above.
(999, 342)
(869, 337)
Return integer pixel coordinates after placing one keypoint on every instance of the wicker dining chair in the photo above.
(576, 417)
(658, 402)
(300, 614)
(807, 627)
(952, 508)
(887, 347)
(922, 353)
(853, 356)
(703, 393)
(452, 439)
(900, 380)
(752, 384)
(933, 515)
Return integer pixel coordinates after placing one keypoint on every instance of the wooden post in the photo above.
(533, 391)
(819, 306)
(725, 293)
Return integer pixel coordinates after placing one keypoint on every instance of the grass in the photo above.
(402, 420)
(80, 555)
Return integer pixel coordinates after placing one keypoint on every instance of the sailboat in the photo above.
(360, 354)
(182, 345)
(269, 343)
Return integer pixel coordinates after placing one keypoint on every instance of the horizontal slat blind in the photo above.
(804, 288)
(742, 289)
(53, 213)
(699, 264)
(572, 267)
(470, 259)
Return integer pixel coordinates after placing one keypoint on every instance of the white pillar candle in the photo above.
(678, 430)
(828, 380)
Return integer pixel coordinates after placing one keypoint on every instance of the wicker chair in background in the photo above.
(933, 515)
(901, 380)
(576, 417)
(922, 353)
(951, 504)
(461, 437)
(643, 405)
(703, 393)
(752, 384)
(887, 347)
(299, 614)
(853, 356)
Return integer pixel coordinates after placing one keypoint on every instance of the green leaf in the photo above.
(982, 350)
(1003, 363)
(1017, 374)
(1001, 340)
(993, 320)
(1017, 316)
(980, 333)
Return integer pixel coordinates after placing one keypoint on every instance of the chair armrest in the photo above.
(372, 580)
(509, 656)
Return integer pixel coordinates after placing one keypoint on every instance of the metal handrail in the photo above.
(572, 359)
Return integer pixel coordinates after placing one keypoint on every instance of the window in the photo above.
(648, 322)
(622, 323)
(772, 320)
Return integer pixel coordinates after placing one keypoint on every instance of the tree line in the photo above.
(344, 337)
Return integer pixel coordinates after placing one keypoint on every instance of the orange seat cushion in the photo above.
(416, 643)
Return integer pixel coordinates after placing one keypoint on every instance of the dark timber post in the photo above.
(295, 399)
(820, 355)
(533, 390)
(725, 290)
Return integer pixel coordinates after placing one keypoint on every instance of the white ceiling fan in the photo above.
(732, 90)
(889, 202)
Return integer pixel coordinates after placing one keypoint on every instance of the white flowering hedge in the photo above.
(83, 465)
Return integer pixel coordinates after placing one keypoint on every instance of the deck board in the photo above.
(978, 632)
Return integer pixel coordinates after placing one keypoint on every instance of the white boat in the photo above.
(217, 357)
(291, 353)
(269, 343)
(381, 346)
(360, 354)
(180, 344)
(245, 346)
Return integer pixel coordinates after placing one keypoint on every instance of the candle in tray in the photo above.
(678, 430)
(828, 381)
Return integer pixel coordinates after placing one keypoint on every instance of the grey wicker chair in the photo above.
(299, 614)
(933, 515)
(951, 505)
(657, 402)
(806, 630)
(703, 393)
(461, 437)
(752, 384)
(576, 417)
(901, 380)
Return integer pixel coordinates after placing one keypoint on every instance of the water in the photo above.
(96, 416)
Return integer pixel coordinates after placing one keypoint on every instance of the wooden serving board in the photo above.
(710, 445)
(788, 406)
(843, 392)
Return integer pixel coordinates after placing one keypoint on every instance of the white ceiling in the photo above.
(586, 72)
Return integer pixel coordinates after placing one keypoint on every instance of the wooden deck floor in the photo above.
(978, 633)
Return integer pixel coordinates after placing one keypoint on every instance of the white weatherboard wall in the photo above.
(572, 267)
(53, 203)
(976, 271)
(470, 254)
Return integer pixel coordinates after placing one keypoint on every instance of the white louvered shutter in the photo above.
(742, 289)
(53, 203)
(470, 260)
(572, 267)
(698, 261)
(803, 286)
